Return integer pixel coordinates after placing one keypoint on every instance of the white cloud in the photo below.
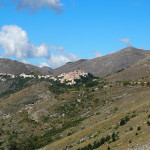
(42, 64)
(97, 54)
(15, 42)
(126, 41)
(34, 5)
(59, 60)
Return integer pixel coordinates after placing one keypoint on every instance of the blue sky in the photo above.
(47, 33)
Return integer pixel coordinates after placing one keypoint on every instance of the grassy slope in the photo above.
(132, 100)
(100, 111)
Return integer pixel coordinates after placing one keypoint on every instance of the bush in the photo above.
(126, 82)
(130, 141)
(142, 83)
(136, 134)
(138, 128)
(148, 123)
(124, 120)
(102, 141)
(131, 128)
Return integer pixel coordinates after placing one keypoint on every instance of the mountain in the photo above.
(16, 67)
(94, 113)
(137, 71)
(106, 65)
(46, 68)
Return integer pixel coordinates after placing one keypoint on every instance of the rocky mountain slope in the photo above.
(106, 65)
(46, 68)
(15, 67)
(138, 71)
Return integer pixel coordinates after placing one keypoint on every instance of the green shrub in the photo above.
(123, 121)
(131, 128)
(138, 128)
(148, 123)
(126, 82)
(142, 83)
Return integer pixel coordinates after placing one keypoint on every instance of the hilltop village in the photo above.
(69, 78)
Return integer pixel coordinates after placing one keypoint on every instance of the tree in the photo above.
(126, 82)
(122, 122)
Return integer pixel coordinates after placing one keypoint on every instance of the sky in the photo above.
(54, 32)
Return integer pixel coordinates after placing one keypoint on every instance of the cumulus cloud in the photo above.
(126, 41)
(15, 42)
(34, 5)
(59, 60)
(97, 54)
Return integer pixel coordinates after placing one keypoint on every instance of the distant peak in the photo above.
(129, 48)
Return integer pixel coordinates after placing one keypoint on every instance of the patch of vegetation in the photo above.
(119, 70)
(88, 81)
(114, 137)
(126, 82)
(18, 84)
(138, 128)
(58, 88)
(148, 84)
(36, 142)
(131, 128)
(148, 123)
(123, 121)
(142, 83)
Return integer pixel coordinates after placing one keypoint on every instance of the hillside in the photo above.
(58, 116)
(92, 114)
(46, 68)
(106, 65)
(14, 67)
(138, 71)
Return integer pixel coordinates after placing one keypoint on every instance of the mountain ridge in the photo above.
(105, 65)
(15, 67)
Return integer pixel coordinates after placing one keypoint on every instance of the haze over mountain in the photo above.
(106, 65)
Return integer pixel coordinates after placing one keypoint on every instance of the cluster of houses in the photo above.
(68, 78)
(7, 74)
(23, 75)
